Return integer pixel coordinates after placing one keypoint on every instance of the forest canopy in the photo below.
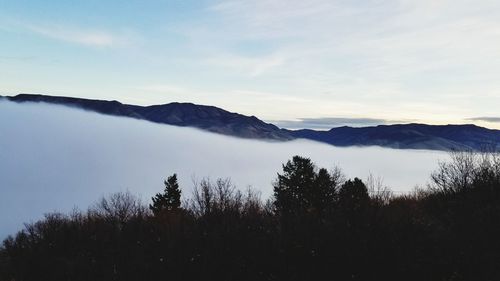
(318, 225)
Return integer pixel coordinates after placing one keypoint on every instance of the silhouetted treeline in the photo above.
(317, 226)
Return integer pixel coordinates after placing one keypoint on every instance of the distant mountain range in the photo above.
(217, 120)
(209, 118)
(409, 136)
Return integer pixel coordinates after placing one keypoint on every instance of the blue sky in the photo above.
(303, 63)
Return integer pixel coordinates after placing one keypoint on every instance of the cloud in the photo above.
(384, 55)
(279, 18)
(486, 119)
(163, 88)
(92, 38)
(79, 156)
(258, 103)
(253, 66)
(19, 58)
(332, 122)
(429, 60)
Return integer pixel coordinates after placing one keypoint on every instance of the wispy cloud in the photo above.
(163, 89)
(278, 18)
(18, 58)
(92, 38)
(486, 119)
(253, 66)
(332, 122)
(365, 52)
(429, 60)
(247, 102)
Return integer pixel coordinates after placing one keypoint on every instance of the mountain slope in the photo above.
(208, 118)
(213, 119)
(414, 136)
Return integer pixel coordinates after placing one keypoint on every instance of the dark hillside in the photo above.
(217, 120)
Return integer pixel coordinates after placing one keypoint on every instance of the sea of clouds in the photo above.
(55, 158)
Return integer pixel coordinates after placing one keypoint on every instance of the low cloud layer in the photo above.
(54, 158)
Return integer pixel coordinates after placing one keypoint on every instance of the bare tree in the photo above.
(252, 202)
(337, 175)
(378, 192)
(120, 206)
(203, 196)
(457, 174)
(467, 170)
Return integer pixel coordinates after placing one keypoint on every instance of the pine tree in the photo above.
(292, 187)
(170, 199)
(302, 188)
(324, 193)
(353, 196)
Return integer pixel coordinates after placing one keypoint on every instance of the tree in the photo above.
(121, 207)
(456, 175)
(353, 196)
(302, 188)
(324, 192)
(291, 187)
(467, 171)
(170, 199)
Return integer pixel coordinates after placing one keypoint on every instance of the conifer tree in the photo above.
(353, 196)
(170, 199)
(292, 187)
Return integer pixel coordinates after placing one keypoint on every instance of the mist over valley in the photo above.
(55, 158)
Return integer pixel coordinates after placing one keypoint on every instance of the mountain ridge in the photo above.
(218, 120)
(409, 136)
(205, 117)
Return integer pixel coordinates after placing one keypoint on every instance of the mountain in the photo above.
(208, 118)
(217, 120)
(409, 136)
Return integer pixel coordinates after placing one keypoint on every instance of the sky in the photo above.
(315, 63)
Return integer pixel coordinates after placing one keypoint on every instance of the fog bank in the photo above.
(53, 158)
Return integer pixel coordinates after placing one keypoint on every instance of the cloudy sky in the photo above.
(303, 63)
